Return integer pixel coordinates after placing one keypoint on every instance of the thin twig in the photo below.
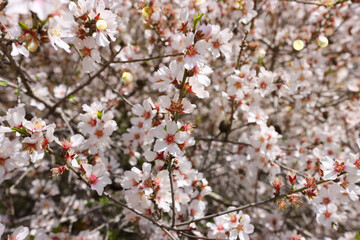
(149, 58)
(91, 78)
(272, 199)
(116, 92)
(223, 141)
(25, 79)
(172, 194)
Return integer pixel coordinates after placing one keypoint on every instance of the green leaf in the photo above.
(357, 237)
(197, 19)
(22, 131)
(57, 229)
(44, 22)
(4, 83)
(203, 226)
(72, 99)
(104, 201)
(23, 25)
(99, 114)
(198, 118)
(331, 71)
(112, 235)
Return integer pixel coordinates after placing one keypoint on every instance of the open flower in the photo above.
(105, 25)
(97, 177)
(242, 227)
(89, 53)
(220, 41)
(168, 139)
(194, 52)
(333, 168)
(19, 233)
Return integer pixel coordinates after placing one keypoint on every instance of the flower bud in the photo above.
(277, 183)
(199, 2)
(101, 25)
(260, 52)
(298, 45)
(127, 77)
(33, 45)
(292, 177)
(323, 41)
(147, 11)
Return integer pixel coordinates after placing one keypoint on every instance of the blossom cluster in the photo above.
(179, 119)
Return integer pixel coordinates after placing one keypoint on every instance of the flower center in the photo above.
(148, 183)
(45, 143)
(216, 44)
(170, 139)
(339, 167)
(327, 214)
(326, 201)
(66, 144)
(146, 115)
(38, 125)
(357, 163)
(148, 211)
(137, 136)
(238, 85)
(240, 227)
(92, 122)
(191, 51)
(30, 147)
(99, 133)
(86, 51)
(263, 85)
(220, 227)
(175, 107)
(93, 179)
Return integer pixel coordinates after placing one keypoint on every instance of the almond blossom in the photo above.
(90, 54)
(194, 51)
(220, 41)
(168, 137)
(179, 114)
(97, 177)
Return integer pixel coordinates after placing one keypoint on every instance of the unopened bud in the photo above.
(323, 41)
(277, 183)
(127, 77)
(147, 11)
(101, 25)
(260, 52)
(292, 177)
(199, 2)
(224, 126)
(298, 45)
(33, 45)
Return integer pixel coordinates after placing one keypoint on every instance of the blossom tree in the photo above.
(179, 119)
